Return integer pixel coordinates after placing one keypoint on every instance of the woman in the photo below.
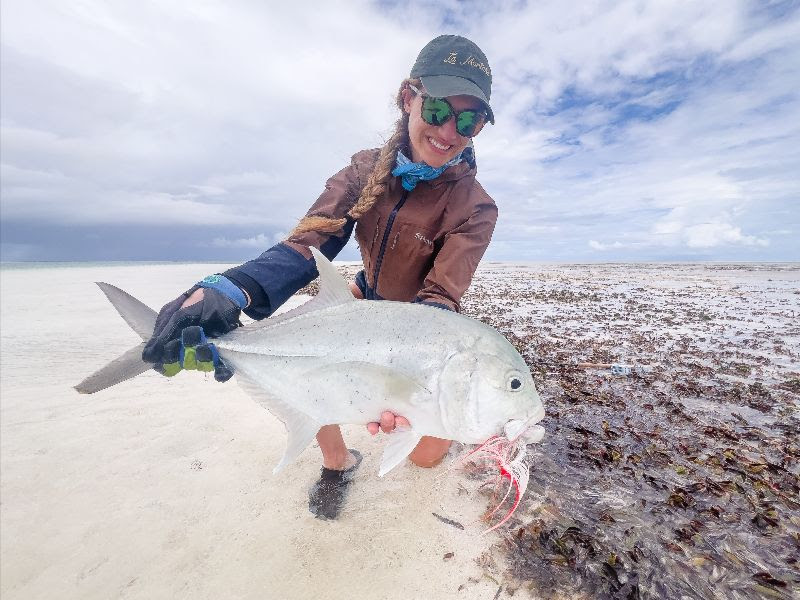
(421, 220)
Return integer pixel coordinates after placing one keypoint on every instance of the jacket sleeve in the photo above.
(279, 272)
(457, 259)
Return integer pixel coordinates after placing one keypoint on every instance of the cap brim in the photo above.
(442, 86)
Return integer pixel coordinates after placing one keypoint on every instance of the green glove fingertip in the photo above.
(191, 338)
(171, 364)
(170, 369)
(189, 359)
(205, 358)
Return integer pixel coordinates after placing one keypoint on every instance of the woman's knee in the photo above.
(356, 291)
(430, 451)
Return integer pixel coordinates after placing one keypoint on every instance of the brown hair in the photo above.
(377, 180)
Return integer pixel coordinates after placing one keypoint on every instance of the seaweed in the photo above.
(447, 521)
(682, 481)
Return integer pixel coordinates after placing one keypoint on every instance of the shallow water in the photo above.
(679, 483)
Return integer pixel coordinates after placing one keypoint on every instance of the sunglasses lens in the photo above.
(468, 123)
(435, 111)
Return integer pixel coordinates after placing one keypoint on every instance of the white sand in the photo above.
(164, 488)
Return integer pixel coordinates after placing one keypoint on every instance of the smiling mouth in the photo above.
(438, 146)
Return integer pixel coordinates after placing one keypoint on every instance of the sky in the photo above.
(202, 130)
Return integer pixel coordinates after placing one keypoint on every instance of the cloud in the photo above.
(710, 235)
(257, 241)
(653, 130)
(595, 245)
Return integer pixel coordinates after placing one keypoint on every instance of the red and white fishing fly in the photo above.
(510, 458)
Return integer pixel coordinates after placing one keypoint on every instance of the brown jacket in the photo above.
(422, 245)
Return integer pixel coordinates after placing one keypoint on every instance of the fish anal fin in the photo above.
(301, 428)
(402, 442)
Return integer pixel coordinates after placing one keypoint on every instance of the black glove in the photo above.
(216, 314)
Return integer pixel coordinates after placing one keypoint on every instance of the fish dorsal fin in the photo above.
(333, 289)
(140, 317)
(401, 442)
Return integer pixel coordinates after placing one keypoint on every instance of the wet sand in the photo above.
(164, 488)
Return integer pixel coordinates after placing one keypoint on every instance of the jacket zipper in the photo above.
(389, 223)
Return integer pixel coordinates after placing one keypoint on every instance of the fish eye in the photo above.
(514, 383)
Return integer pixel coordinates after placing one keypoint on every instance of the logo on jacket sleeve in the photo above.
(423, 239)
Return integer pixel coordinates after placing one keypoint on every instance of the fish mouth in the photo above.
(533, 435)
(526, 430)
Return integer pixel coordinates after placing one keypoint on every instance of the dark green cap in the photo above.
(451, 65)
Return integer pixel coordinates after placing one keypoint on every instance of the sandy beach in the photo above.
(164, 488)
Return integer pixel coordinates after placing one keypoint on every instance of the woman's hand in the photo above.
(389, 421)
(195, 297)
(429, 452)
(211, 308)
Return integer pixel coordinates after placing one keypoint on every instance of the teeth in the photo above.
(437, 144)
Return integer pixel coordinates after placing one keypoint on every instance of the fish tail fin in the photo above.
(141, 318)
(126, 366)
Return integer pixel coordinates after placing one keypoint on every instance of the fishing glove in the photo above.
(216, 314)
(192, 352)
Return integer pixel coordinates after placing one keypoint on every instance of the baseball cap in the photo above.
(451, 65)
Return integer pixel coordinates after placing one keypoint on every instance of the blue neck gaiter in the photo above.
(412, 173)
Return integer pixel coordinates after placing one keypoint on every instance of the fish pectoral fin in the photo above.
(402, 442)
(301, 427)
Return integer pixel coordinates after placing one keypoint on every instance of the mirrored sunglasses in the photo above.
(438, 111)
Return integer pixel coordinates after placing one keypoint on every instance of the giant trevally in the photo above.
(337, 360)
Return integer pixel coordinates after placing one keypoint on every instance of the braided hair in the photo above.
(377, 180)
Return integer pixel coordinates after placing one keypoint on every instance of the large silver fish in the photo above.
(337, 360)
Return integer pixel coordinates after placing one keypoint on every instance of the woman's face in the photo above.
(431, 144)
